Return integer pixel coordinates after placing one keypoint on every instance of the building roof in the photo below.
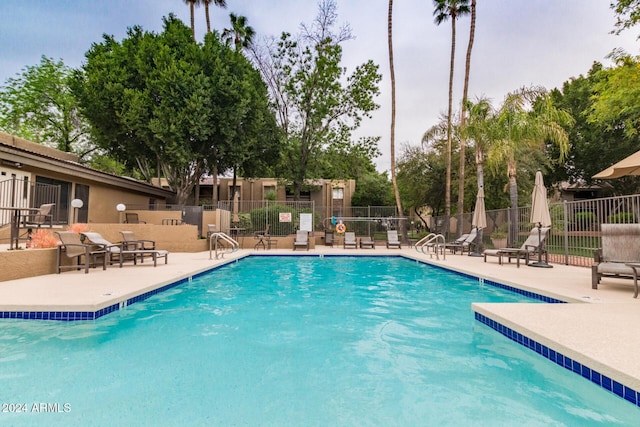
(16, 152)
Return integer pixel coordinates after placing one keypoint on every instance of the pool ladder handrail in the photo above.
(431, 240)
(216, 237)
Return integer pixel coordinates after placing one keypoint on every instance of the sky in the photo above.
(517, 43)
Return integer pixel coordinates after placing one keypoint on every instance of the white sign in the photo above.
(306, 222)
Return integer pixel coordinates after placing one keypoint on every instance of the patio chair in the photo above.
(132, 218)
(531, 246)
(367, 242)
(328, 238)
(72, 247)
(264, 238)
(392, 239)
(302, 240)
(350, 240)
(40, 218)
(143, 248)
(619, 256)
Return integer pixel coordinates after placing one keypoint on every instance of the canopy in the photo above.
(539, 206)
(479, 215)
(625, 167)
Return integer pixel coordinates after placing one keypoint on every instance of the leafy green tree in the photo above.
(444, 10)
(373, 189)
(596, 142)
(318, 105)
(627, 14)
(38, 105)
(169, 106)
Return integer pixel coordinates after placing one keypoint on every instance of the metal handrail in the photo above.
(224, 237)
(428, 240)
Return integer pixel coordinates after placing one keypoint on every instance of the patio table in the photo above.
(15, 222)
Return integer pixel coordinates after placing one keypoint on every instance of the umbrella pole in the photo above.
(475, 252)
(540, 263)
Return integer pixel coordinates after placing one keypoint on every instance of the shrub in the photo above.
(585, 219)
(41, 239)
(622, 218)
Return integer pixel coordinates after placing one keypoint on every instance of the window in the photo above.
(338, 193)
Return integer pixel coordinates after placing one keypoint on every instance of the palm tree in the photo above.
(463, 113)
(445, 9)
(192, 6)
(394, 181)
(240, 34)
(527, 120)
(219, 3)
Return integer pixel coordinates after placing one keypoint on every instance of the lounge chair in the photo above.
(132, 218)
(619, 256)
(463, 245)
(142, 247)
(302, 240)
(328, 238)
(367, 242)
(350, 240)
(452, 245)
(40, 218)
(530, 247)
(72, 247)
(392, 239)
(118, 251)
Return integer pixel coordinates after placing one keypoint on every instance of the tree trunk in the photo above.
(447, 196)
(513, 196)
(463, 115)
(402, 224)
(206, 14)
(193, 19)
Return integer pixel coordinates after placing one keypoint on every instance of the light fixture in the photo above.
(120, 207)
(76, 204)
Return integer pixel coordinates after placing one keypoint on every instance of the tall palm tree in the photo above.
(240, 34)
(192, 9)
(394, 181)
(527, 120)
(463, 113)
(219, 3)
(444, 10)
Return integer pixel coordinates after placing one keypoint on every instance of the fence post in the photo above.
(566, 232)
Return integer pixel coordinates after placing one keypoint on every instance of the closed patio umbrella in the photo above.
(479, 219)
(625, 167)
(540, 214)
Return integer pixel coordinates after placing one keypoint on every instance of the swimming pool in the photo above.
(295, 341)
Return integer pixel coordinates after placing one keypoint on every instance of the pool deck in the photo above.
(596, 328)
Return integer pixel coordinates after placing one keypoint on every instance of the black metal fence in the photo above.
(575, 230)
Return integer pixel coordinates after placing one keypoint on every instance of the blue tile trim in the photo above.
(620, 390)
(65, 316)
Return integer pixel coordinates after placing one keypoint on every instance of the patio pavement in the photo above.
(596, 328)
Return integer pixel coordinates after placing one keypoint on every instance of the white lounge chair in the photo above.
(302, 240)
(392, 239)
(350, 240)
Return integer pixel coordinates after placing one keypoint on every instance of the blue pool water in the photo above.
(275, 341)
